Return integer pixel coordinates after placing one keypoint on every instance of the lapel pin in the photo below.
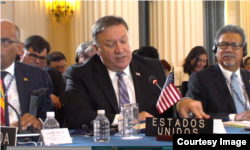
(25, 79)
(137, 73)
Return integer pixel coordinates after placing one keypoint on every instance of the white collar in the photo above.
(126, 71)
(227, 74)
(10, 69)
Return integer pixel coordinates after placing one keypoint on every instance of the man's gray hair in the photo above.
(230, 28)
(85, 48)
(105, 22)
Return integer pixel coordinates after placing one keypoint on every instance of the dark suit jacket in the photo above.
(209, 87)
(59, 85)
(29, 78)
(90, 88)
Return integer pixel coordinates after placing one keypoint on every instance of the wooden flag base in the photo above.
(164, 138)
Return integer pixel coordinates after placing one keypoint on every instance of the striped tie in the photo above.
(237, 96)
(123, 92)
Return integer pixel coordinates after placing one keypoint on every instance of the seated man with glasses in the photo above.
(223, 90)
(36, 49)
(18, 81)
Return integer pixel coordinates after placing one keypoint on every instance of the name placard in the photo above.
(170, 126)
(8, 136)
(56, 136)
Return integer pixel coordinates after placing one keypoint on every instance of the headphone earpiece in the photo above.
(245, 51)
(214, 48)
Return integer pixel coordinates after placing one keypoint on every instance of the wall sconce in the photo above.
(62, 10)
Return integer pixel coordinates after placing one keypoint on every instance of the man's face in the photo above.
(9, 51)
(59, 65)
(114, 47)
(84, 56)
(31, 58)
(230, 58)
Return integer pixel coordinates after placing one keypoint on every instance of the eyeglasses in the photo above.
(234, 46)
(5, 42)
(35, 57)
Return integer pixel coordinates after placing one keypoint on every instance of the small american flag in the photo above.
(169, 95)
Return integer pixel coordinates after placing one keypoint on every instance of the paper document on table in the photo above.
(239, 124)
(218, 126)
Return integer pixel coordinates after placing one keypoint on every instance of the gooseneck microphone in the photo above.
(19, 120)
(153, 80)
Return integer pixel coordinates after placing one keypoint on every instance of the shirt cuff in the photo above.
(115, 122)
(231, 117)
(184, 98)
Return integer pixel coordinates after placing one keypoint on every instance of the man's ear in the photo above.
(20, 50)
(97, 49)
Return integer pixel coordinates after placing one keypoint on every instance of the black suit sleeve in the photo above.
(78, 105)
(59, 87)
(46, 104)
(197, 90)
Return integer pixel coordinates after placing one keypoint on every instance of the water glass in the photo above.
(131, 123)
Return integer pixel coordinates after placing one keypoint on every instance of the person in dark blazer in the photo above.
(92, 85)
(59, 87)
(36, 48)
(212, 87)
(26, 79)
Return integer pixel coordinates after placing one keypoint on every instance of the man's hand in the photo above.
(28, 119)
(55, 101)
(186, 105)
(143, 115)
(245, 116)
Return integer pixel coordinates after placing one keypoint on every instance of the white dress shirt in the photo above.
(227, 74)
(127, 77)
(12, 94)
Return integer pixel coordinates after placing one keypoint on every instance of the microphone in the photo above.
(153, 80)
(24, 136)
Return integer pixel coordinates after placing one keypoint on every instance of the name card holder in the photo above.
(56, 136)
(170, 126)
(8, 136)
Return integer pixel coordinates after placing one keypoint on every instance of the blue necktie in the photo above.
(237, 96)
(123, 92)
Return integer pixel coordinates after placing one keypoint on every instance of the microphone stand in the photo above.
(19, 120)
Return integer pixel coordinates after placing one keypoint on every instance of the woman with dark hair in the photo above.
(195, 61)
(247, 63)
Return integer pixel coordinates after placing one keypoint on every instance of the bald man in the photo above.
(20, 81)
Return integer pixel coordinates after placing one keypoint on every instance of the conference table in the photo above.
(150, 141)
(145, 141)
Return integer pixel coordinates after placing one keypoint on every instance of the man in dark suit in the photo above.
(93, 85)
(58, 61)
(21, 80)
(36, 48)
(214, 86)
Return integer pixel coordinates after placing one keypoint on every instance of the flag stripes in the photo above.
(169, 95)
